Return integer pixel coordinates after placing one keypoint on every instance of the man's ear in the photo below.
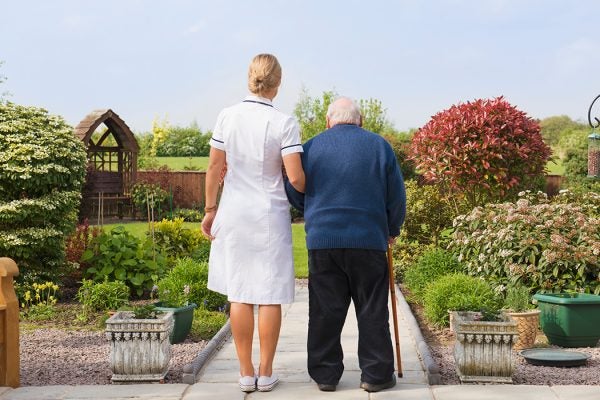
(327, 123)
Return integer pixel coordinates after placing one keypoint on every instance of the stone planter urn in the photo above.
(140, 350)
(483, 349)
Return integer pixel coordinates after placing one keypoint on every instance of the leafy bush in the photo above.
(188, 214)
(184, 142)
(429, 267)
(458, 292)
(206, 323)
(400, 143)
(120, 256)
(545, 246)
(175, 240)
(428, 213)
(80, 240)
(405, 254)
(186, 282)
(149, 195)
(102, 296)
(42, 169)
(480, 151)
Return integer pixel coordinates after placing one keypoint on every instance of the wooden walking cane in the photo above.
(394, 311)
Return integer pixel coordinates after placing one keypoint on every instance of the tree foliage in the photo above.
(480, 151)
(311, 114)
(160, 133)
(42, 169)
(554, 128)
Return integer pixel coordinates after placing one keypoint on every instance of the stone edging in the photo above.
(431, 369)
(191, 370)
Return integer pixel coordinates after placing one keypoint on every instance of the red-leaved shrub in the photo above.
(480, 151)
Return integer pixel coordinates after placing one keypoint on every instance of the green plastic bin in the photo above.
(570, 319)
(183, 317)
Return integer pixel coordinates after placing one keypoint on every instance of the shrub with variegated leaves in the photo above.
(480, 151)
(42, 169)
(543, 245)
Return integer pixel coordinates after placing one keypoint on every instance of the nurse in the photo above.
(251, 252)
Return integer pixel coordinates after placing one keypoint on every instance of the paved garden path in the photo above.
(218, 379)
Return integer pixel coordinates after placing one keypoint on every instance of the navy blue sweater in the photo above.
(354, 195)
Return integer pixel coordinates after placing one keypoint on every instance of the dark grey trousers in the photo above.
(335, 277)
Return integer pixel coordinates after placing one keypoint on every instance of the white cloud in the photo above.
(195, 28)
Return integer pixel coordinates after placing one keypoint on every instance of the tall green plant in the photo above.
(120, 256)
(42, 170)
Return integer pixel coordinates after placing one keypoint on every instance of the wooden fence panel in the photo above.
(187, 187)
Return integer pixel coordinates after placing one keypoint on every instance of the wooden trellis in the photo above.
(112, 164)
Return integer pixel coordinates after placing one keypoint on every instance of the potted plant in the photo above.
(570, 319)
(519, 306)
(483, 347)
(139, 344)
(176, 300)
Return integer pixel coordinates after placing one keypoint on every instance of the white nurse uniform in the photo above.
(251, 255)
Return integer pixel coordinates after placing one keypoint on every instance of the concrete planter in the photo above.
(139, 348)
(483, 349)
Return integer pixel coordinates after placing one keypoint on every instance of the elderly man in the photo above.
(354, 205)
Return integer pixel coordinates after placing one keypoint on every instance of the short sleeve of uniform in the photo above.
(217, 140)
(290, 142)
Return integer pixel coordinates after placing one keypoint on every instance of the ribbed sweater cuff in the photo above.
(345, 243)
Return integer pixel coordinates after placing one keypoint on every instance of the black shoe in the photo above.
(325, 387)
(372, 387)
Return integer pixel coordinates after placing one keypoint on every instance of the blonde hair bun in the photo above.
(264, 74)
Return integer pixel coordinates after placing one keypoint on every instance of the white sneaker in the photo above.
(267, 383)
(248, 383)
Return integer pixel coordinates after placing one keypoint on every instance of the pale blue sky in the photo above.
(188, 59)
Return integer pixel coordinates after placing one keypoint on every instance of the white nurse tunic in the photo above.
(251, 255)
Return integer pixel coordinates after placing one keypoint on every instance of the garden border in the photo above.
(191, 370)
(431, 368)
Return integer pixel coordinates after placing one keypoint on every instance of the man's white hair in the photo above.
(343, 110)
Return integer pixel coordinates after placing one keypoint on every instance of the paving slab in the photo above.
(134, 391)
(37, 392)
(493, 392)
(214, 391)
(404, 392)
(576, 392)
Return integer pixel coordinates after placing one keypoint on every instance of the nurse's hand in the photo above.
(207, 224)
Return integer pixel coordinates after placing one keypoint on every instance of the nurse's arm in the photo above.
(294, 171)
(216, 162)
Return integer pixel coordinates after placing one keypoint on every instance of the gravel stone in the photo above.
(68, 357)
(527, 374)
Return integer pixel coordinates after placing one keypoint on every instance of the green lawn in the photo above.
(555, 168)
(139, 229)
(179, 163)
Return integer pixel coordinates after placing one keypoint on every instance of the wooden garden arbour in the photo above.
(111, 169)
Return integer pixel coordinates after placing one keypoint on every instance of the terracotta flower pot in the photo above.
(527, 326)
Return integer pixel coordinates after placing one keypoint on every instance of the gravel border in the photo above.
(432, 370)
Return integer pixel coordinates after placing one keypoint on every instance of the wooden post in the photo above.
(9, 325)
